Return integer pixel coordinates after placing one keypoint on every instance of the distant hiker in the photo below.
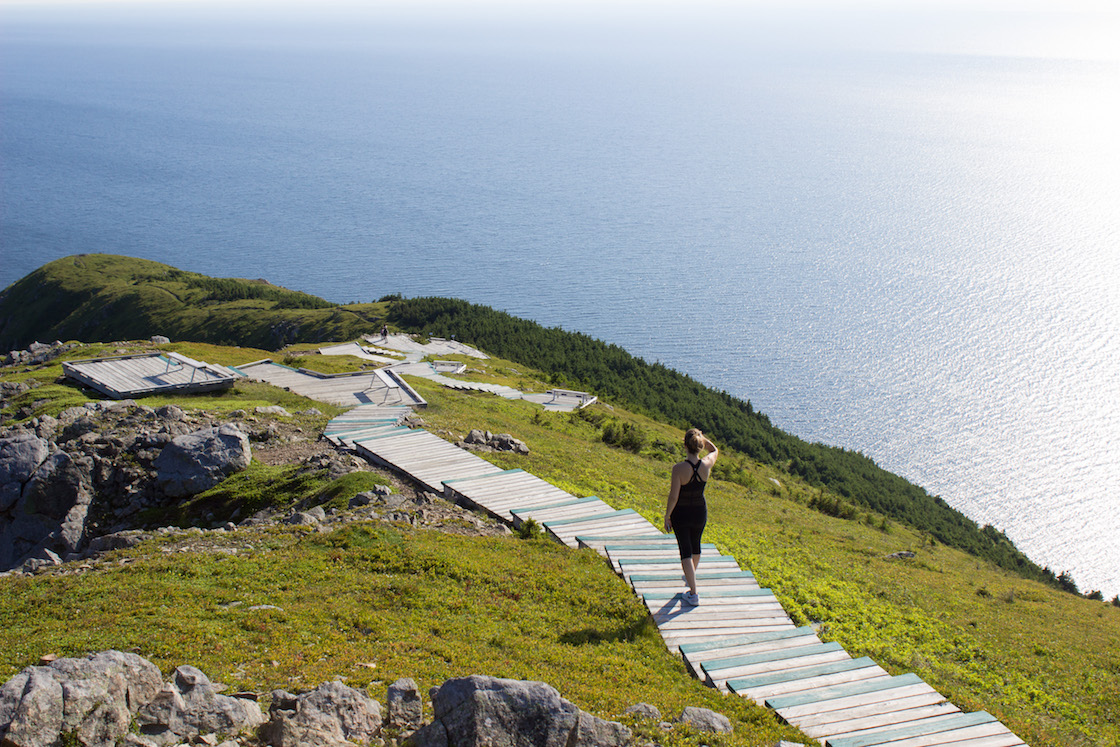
(384, 332)
(686, 512)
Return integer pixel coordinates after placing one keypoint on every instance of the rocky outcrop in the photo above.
(479, 440)
(475, 711)
(331, 715)
(704, 719)
(197, 461)
(190, 705)
(67, 480)
(45, 497)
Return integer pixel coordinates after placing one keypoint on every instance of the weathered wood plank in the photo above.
(761, 687)
(921, 732)
(879, 715)
(831, 698)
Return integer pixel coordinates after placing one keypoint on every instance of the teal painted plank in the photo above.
(714, 665)
(503, 472)
(573, 502)
(700, 576)
(925, 726)
(776, 635)
(779, 702)
(396, 432)
(745, 683)
(674, 561)
(610, 514)
(654, 597)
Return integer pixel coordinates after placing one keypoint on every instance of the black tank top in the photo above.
(692, 492)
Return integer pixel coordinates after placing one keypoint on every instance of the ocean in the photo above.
(908, 249)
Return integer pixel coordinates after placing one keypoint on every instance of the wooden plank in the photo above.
(956, 737)
(674, 638)
(761, 647)
(772, 656)
(878, 716)
(921, 731)
(760, 687)
(831, 698)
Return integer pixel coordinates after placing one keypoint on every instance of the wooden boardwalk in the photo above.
(141, 375)
(346, 390)
(739, 639)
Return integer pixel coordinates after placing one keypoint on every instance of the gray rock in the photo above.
(160, 340)
(331, 715)
(21, 454)
(705, 720)
(403, 703)
(116, 541)
(644, 710)
(317, 513)
(91, 697)
(301, 518)
(273, 410)
(171, 414)
(190, 705)
(475, 711)
(50, 512)
(200, 460)
(361, 499)
(31, 709)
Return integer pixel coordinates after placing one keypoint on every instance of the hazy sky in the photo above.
(1083, 29)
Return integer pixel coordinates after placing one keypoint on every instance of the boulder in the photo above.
(190, 705)
(643, 710)
(705, 720)
(331, 715)
(475, 711)
(51, 510)
(404, 706)
(200, 460)
(92, 698)
(20, 456)
(31, 709)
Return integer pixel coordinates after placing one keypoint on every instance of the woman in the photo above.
(687, 513)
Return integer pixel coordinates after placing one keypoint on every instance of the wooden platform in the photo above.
(347, 390)
(125, 376)
(739, 639)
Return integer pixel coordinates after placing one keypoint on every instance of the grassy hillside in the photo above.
(855, 481)
(101, 297)
(376, 601)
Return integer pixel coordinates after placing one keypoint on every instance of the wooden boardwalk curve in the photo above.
(739, 639)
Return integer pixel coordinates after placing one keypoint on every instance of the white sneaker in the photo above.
(690, 598)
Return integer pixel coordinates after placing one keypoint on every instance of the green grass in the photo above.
(370, 603)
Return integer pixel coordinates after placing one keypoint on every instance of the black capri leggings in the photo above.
(688, 525)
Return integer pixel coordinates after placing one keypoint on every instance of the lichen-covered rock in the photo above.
(331, 715)
(403, 703)
(479, 711)
(705, 720)
(190, 705)
(92, 698)
(198, 461)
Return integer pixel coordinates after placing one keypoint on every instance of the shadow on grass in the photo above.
(590, 636)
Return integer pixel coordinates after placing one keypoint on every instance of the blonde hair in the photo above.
(693, 440)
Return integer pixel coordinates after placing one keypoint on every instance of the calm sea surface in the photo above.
(913, 255)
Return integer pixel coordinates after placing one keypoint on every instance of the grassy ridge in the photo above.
(98, 297)
(611, 372)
